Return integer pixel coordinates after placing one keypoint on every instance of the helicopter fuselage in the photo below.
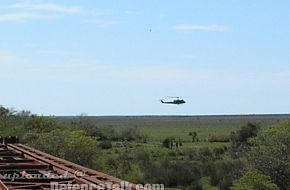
(174, 102)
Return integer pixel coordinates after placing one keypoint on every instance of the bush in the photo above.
(246, 132)
(196, 185)
(223, 172)
(239, 140)
(205, 154)
(270, 154)
(106, 144)
(173, 173)
(254, 180)
(70, 145)
(219, 151)
(131, 134)
(218, 139)
(39, 124)
(193, 136)
(168, 142)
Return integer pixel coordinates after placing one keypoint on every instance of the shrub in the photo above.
(239, 140)
(106, 144)
(70, 145)
(270, 154)
(205, 154)
(218, 139)
(168, 142)
(254, 180)
(173, 173)
(223, 172)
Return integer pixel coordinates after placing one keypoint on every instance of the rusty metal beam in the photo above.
(22, 167)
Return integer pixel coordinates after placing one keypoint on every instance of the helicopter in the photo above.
(176, 101)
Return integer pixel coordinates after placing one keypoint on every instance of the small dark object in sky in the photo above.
(177, 101)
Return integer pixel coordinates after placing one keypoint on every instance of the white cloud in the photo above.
(22, 17)
(49, 7)
(206, 28)
(29, 10)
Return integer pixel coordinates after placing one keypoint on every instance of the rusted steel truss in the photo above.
(22, 167)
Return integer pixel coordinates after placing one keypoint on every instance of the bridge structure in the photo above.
(25, 168)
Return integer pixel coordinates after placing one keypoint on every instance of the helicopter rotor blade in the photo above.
(181, 97)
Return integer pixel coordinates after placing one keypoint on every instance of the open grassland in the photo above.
(187, 163)
(159, 127)
(181, 152)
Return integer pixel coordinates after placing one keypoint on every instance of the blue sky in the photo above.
(105, 57)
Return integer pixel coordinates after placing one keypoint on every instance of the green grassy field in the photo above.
(181, 152)
(159, 127)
